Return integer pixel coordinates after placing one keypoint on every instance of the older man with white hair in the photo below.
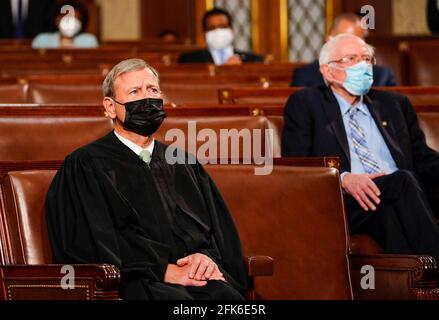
(309, 75)
(384, 159)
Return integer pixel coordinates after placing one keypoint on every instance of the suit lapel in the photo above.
(382, 122)
(335, 121)
(207, 56)
(7, 21)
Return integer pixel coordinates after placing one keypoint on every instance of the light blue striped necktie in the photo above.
(222, 56)
(358, 137)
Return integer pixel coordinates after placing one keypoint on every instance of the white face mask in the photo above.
(69, 26)
(219, 38)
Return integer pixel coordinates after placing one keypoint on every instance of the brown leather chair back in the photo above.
(22, 219)
(296, 216)
(263, 96)
(64, 93)
(423, 64)
(13, 93)
(418, 96)
(214, 125)
(48, 137)
(389, 55)
(276, 123)
(429, 123)
(179, 93)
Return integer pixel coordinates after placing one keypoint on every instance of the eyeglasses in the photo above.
(354, 59)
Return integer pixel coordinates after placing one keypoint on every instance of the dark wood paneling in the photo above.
(383, 13)
(270, 41)
(168, 14)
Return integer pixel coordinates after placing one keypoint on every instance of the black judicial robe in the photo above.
(105, 205)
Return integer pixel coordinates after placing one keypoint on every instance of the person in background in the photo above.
(70, 29)
(24, 19)
(169, 36)
(219, 34)
(309, 75)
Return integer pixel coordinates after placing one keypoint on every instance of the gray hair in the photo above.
(122, 67)
(333, 42)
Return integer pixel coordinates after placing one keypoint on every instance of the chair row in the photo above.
(418, 95)
(102, 66)
(228, 89)
(92, 57)
(175, 91)
(413, 61)
(32, 132)
(314, 255)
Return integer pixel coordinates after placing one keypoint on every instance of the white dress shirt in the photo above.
(134, 147)
(216, 55)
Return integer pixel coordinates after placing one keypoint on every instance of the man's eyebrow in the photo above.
(135, 87)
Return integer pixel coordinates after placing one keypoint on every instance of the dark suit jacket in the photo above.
(309, 75)
(433, 15)
(314, 127)
(204, 56)
(39, 18)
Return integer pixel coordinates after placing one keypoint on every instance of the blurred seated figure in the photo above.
(24, 19)
(219, 34)
(70, 27)
(309, 75)
(169, 36)
(433, 15)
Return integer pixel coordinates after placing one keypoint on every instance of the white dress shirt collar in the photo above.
(228, 53)
(134, 147)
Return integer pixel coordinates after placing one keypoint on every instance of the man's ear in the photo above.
(110, 107)
(327, 74)
(324, 70)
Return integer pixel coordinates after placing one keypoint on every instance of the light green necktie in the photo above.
(145, 155)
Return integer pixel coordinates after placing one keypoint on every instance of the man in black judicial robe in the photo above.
(165, 226)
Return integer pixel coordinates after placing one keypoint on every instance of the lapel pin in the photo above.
(384, 123)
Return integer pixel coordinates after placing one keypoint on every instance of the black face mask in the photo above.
(143, 116)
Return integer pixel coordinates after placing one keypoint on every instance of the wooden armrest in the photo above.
(44, 282)
(395, 276)
(424, 268)
(259, 266)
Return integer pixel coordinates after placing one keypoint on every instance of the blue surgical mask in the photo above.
(359, 78)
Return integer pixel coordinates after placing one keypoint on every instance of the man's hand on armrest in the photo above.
(362, 188)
